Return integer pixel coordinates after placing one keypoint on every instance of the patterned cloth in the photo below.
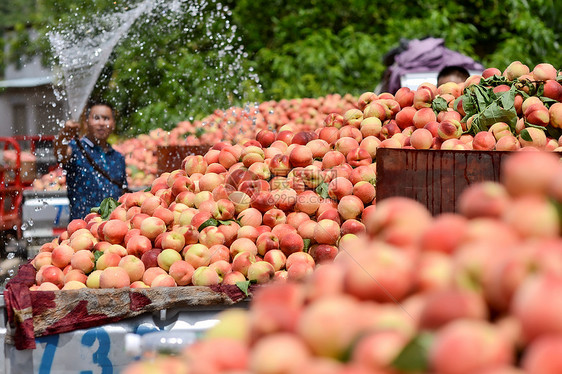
(86, 187)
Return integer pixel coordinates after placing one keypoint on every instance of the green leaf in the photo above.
(226, 222)
(525, 135)
(553, 132)
(413, 357)
(306, 245)
(243, 286)
(106, 207)
(210, 222)
(439, 104)
(97, 255)
(199, 131)
(322, 190)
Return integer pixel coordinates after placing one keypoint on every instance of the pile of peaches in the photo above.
(232, 125)
(475, 292)
(269, 208)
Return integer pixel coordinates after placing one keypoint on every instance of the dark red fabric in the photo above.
(233, 291)
(138, 301)
(18, 298)
(79, 318)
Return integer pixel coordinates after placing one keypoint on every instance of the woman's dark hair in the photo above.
(453, 70)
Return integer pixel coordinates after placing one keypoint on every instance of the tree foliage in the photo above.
(169, 72)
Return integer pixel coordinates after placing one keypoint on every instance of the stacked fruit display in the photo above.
(232, 125)
(476, 292)
(269, 208)
(52, 181)
(276, 205)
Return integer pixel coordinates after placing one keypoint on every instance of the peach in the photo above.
(62, 255)
(449, 129)
(222, 267)
(405, 117)
(138, 245)
(114, 277)
(489, 72)
(243, 245)
(93, 280)
(508, 143)
(266, 242)
(211, 235)
(75, 275)
(555, 113)
(515, 70)
(332, 159)
(385, 274)
(365, 99)
(484, 199)
(117, 249)
(262, 201)
(151, 227)
(115, 230)
(421, 138)
(423, 97)
(219, 252)
(42, 259)
(350, 207)
(322, 328)
(484, 141)
(266, 357)
(552, 90)
(397, 220)
(308, 202)
(295, 219)
(80, 242)
(276, 258)
(340, 187)
(468, 346)
(133, 266)
(260, 272)
(250, 217)
(83, 260)
(273, 217)
(529, 172)
(306, 230)
(544, 71)
(163, 280)
(151, 203)
(352, 226)
(345, 145)
(404, 96)
(107, 260)
(150, 274)
(444, 306)
(538, 319)
(205, 276)
(233, 278)
(377, 350)
(73, 285)
(371, 126)
(365, 191)
(196, 255)
(194, 164)
(291, 242)
(541, 356)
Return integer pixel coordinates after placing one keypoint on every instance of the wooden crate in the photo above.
(435, 178)
(170, 156)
